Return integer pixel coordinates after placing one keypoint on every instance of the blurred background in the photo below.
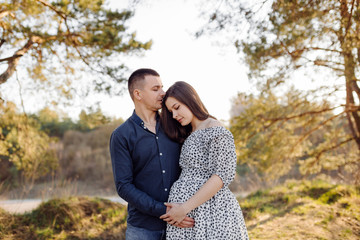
(283, 76)
(284, 82)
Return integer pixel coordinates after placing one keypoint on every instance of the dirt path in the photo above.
(20, 206)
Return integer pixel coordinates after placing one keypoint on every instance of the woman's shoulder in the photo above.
(214, 123)
(216, 129)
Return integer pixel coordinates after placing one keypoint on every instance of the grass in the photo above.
(303, 210)
(70, 218)
(295, 210)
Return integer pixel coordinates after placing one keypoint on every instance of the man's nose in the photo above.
(162, 93)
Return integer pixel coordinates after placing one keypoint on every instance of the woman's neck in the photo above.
(197, 124)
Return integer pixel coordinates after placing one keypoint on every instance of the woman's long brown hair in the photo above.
(186, 94)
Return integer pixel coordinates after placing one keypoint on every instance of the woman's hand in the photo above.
(175, 215)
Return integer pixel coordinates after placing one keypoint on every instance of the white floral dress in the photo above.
(204, 153)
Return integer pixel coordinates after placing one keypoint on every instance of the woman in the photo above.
(208, 162)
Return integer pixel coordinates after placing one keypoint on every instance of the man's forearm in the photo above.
(140, 200)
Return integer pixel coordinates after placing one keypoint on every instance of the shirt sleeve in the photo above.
(222, 158)
(123, 176)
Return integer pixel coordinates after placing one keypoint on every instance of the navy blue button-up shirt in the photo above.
(145, 165)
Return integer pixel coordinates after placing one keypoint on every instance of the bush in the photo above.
(85, 156)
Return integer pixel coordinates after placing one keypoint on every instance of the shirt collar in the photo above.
(139, 121)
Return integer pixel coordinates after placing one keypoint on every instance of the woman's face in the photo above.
(180, 111)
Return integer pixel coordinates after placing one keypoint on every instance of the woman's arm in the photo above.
(178, 211)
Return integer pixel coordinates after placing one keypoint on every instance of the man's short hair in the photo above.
(136, 78)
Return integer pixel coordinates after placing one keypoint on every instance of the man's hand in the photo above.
(187, 222)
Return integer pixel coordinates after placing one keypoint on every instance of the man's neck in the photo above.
(148, 116)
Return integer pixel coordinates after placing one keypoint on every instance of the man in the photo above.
(145, 161)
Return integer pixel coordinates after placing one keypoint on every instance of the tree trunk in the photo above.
(349, 72)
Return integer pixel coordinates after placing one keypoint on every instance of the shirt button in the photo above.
(157, 137)
(165, 189)
(163, 171)
(160, 154)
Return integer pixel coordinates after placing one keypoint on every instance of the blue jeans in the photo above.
(135, 233)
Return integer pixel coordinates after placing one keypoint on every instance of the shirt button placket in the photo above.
(163, 171)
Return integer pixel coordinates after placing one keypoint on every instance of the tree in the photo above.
(275, 145)
(61, 40)
(287, 37)
(25, 146)
(93, 119)
(53, 123)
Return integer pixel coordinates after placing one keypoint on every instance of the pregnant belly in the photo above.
(183, 189)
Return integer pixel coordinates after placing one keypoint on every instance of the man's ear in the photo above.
(137, 94)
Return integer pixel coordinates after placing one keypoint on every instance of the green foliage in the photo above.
(51, 123)
(24, 144)
(55, 125)
(66, 214)
(288, 211)
(276, 134)
(85, 155)
(303, 210)
(35, 146)
(69, 218)
(319, 41)
(81, 39)
(334, 195)
(95, 118)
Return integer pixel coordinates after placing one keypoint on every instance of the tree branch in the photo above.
(10, 58)
(14, 60)
(46, 4)
(2, 41)
(322, 63)
(5, 13)
(318, 155)
(314, 129)
(64, 17)
(299, 115)
(324, 49)
(356, 88)
(274, 120)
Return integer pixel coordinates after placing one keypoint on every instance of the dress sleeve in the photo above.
(222, 157)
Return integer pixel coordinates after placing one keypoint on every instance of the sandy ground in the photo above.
(20, 206)
(27, 205)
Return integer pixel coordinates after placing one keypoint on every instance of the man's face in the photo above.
(152, 92)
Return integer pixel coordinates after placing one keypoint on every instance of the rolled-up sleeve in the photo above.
(222, 158)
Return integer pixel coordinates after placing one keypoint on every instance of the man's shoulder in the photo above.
(125, 128)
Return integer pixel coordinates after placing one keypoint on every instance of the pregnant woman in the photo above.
(208, 162)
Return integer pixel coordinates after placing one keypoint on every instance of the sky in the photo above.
(213, 70)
